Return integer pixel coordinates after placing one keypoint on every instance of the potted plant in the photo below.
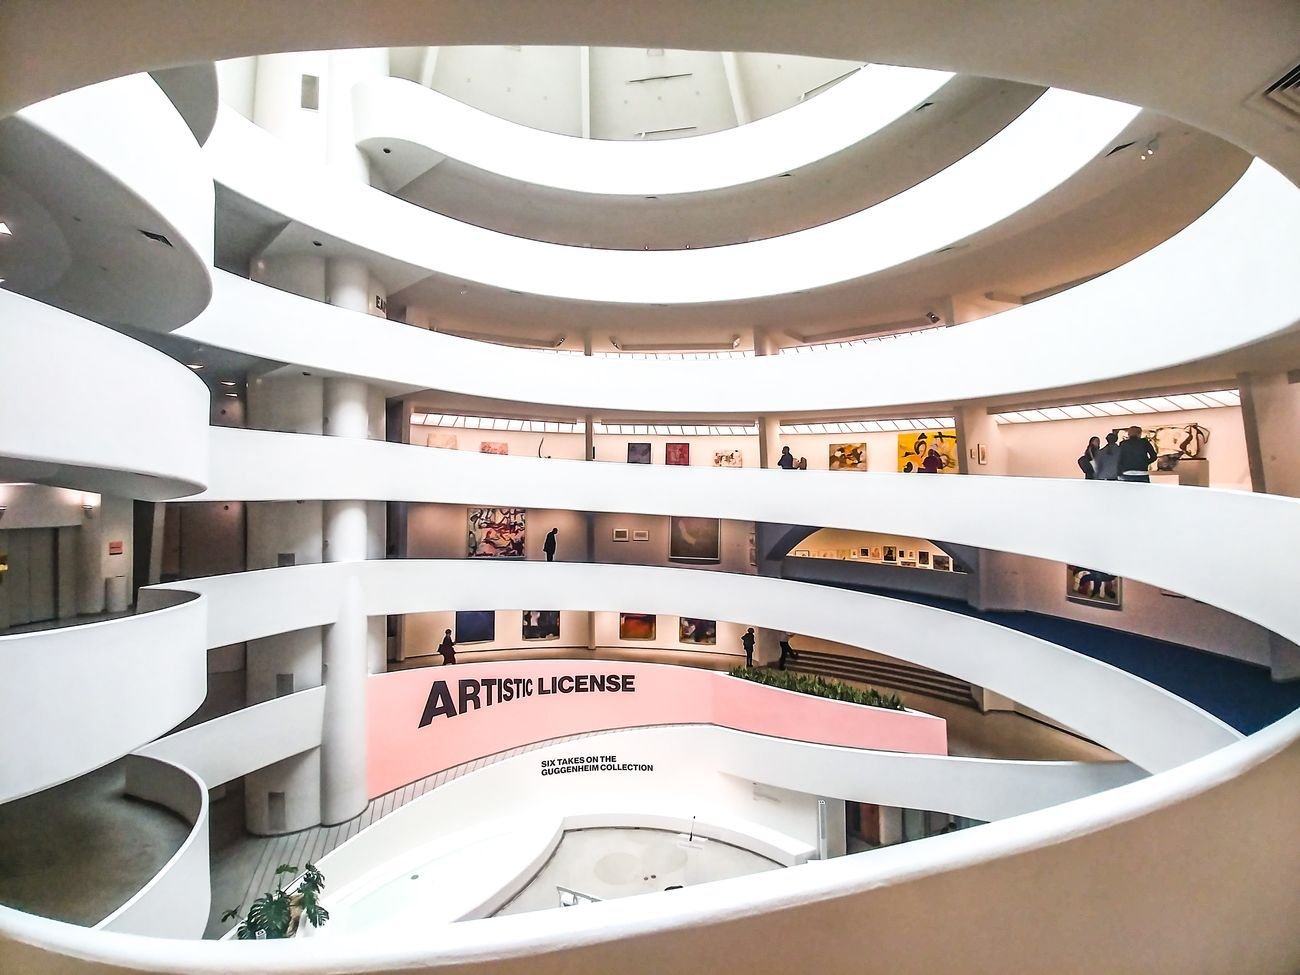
(276, 914)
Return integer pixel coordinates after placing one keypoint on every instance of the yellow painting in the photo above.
(928, 452)
(848, 457)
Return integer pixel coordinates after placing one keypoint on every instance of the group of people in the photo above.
(787, 462)
(1118, 460)
(747, 643)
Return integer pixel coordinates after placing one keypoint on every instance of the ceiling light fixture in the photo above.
(229, 382)
(4, 230)
(1150, 149)
(195, 365)
(235, 395)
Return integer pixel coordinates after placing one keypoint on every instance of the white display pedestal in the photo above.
(115, 594)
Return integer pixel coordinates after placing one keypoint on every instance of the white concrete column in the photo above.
(90, 564)
(977, 429)
(891, 825)
(1270, 415)
(343, 731)
(347, 68)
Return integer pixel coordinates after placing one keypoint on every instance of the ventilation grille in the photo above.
(1285, 92)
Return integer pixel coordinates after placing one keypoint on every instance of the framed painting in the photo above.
(677, 454)
(848, 457)
(447, 441)
(923, 558)
(493, 447)
(496, 533)
(697, 632)
(636, 626)
(942, 562)
(541, 624)
(890, 553)
(1093, 588)
(728, 458)
(621, 534)
(928, 452)
(476, 625)
(638, 453)
(640, 534)
(694, 540)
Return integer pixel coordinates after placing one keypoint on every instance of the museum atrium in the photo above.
(594, 349)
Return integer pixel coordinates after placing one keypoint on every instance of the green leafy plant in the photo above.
(820, 687)
(276, 914)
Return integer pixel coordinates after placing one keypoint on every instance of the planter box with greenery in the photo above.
(820, 687)
(276, 913)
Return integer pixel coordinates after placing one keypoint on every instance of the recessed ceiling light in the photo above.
(195, 365)
(317, 243)
(4, 229)
(229, 382)
(387, 150)
(235, 395)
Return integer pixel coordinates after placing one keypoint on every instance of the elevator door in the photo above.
(31, 584)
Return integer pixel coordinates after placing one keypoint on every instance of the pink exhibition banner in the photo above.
(424, 721)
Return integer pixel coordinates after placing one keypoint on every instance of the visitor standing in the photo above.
(1135, 456)
(447, 648)
(1088, 459)
(1106, 463)
(786, 460)
(548, 546)
(747, 641)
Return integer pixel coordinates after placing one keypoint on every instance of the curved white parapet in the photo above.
(246, 740)
(1137, 720)
(1241, 294)
(388, 109)
(82, 696)
(175, 903)
(55, 366)
(1025, 515)
(1051, 141)
(119, 155)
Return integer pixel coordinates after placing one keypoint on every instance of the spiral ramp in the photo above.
(1121, 845)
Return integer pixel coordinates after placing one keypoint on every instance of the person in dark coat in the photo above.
(447, 648)
(786, 460)
(1088, 459)
(1135, 455)
(548, 546)
(747, 641)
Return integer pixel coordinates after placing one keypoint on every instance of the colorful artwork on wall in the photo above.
(928, 452)
(890, 553)
(445, 440)
(496, 533)
(476, 625)
(697, 632)
(541, 624)
(636, 626)
(848, 457)
(728, 458)
(493, 447)
(638, 453)
(943, 563)
(694, 540)
(677, 454)
(1093, 588)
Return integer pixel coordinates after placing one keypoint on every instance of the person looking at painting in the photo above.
(786, 460)
(1106, 461)
(1088, 459)
(802, 464)
(747, 641)
(934, 462)
(548, 546)
(447, 648)
(1135, 456)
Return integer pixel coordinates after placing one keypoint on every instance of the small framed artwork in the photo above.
(621, 535)
(908, 563)
(981, 454)
(692, 630)
(875, 553)
(476, 626)
(909, 555)
(1093, 588)
(943, 563)
(890, 553)
(694, 540)
(445, 440)
(728, 458)
(864, 553)
(541, 624)
(638, 453)
(848, 457)
(677, 454)
(923, 558)
(493, 447)
(641, 535)
(802, 553)
(636, 626)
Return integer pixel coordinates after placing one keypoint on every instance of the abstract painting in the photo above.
(493, 447)
(699, 632)
(1093, 588)
(496, 533)
(923, 558)
(677, 454)
(636, 626)
(848, 457)
(728, 458)
(476, 625)
(638, 453)
(928, 452)
(943, 563)
(445, 440)
(694, 540)
(541, 624)
(891, 553)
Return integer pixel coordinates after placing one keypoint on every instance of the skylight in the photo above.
(1175, 403)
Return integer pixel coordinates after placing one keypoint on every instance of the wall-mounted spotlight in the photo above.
(614, 342)
(932, 318)
(735, 342)
(559, 341)
(1150, 149)
(89, 504)
(3, 509)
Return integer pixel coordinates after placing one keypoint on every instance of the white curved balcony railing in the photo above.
(1048, 143)
(156, 447)
(1140, 317)
(390, 109)
(80, 697)
(1143, 723)
(1012, 514)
